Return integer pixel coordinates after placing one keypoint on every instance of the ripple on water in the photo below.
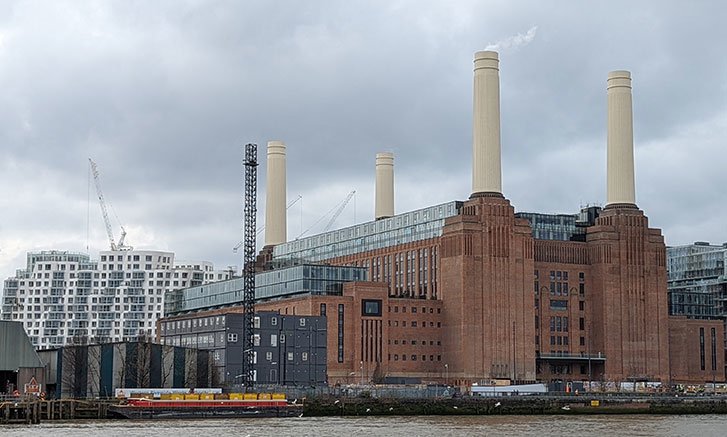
(632, 425)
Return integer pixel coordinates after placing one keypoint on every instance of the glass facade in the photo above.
(273, 284)
(562, 227)
(415, 225)
(697, 280)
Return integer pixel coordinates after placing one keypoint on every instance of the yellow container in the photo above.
(236, 396)
(264, 396)
(207, 397)
(177, 396)
(191, 397)
(595, 403)
(166, 396)
(279, 396)
(250, 396)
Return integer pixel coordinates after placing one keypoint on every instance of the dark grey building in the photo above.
(291, 350)
(288, 349)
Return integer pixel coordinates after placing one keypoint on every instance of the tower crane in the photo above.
(336, 210)
(262, 228)
(107, 222)
(339, 210)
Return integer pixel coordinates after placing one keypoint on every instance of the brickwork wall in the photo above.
(691, 360)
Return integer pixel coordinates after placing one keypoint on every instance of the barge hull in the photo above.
(202, 412)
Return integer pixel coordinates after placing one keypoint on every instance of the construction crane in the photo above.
(339, 211)
(336, 210)
(107, 222)
(248, 266)
(262, 228)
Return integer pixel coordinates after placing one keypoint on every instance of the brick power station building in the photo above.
(470, 291)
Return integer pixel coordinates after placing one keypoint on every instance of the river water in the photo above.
(626, 425)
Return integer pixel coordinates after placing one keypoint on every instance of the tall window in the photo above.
(714, 350)
(340, 332)
(701, 348)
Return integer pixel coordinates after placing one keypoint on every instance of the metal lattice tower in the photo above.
(248, 262)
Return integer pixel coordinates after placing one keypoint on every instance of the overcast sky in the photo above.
(162, 95)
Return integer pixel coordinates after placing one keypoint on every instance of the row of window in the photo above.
(558, 324)
(564, 341)
(129, 312)
(413, 357)
(303, 356)
(148, 258)
(414, 309)
(102, 323)
(413, 324)
(218, 321)
(407, 273)
(416, 342)
(49, 266)
(558, 340)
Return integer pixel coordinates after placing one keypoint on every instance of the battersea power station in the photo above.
(471, 291)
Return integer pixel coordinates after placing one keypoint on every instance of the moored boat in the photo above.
(234, 405)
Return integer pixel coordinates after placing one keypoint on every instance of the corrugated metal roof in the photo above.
(15, 348)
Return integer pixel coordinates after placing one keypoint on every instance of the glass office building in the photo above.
(269, 285)
(403, 228)
(562, 227)
(697, 280)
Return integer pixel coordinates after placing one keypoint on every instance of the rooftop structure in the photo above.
(307, 279)
(408, 227)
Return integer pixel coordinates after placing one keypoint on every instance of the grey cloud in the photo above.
(164, 94)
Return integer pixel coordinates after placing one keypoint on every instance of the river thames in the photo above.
(590, 425)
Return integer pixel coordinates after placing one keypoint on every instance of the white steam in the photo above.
(514, 41)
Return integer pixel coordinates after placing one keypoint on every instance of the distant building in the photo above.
(697, 280)
(697, 284)
(63, 298)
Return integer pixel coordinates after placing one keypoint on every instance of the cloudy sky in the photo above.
(163, 94)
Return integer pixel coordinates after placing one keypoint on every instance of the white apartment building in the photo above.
(63, 297)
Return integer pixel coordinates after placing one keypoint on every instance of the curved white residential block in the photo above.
(384, 185)
(620, 167)
(486, 173)
(275, 212)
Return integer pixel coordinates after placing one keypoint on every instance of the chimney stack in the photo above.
(384, 185)
(275, 188)
(486, 173)
(620, 167)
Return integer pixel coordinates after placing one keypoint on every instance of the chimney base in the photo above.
(621, 206)
(486, 194)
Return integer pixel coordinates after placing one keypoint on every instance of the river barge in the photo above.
(192, 407)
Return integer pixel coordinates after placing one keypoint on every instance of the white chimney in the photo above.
(275, 188)
(486, 173)
(384, 185)
(620, 167)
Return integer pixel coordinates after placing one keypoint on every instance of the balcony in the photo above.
(570, 357)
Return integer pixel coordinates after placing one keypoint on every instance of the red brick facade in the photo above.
(486, 301)
(695, 350)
